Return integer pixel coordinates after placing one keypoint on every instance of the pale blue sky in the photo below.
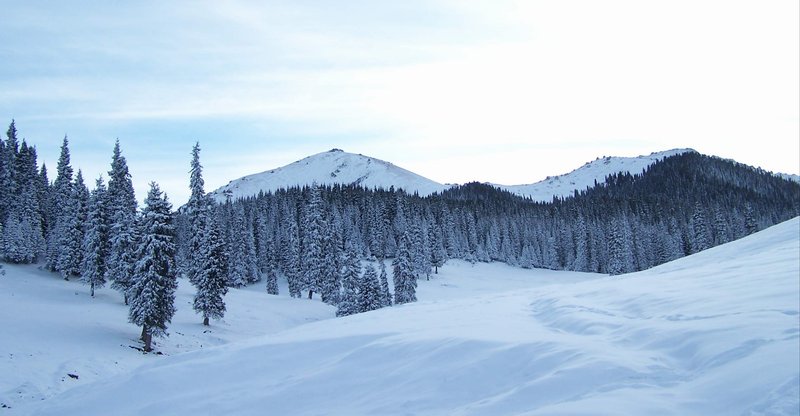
(498, 90)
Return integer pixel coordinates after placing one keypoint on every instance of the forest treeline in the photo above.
(318, 237)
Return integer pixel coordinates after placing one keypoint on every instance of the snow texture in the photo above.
(330, 168)
(715, 333)
(584, 177)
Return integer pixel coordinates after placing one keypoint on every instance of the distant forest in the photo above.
(316, 236)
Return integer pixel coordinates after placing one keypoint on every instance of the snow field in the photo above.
(53, 327)
(713, 333)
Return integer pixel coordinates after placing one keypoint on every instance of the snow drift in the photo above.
(712, 333)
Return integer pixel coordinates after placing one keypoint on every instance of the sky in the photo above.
(499, 91)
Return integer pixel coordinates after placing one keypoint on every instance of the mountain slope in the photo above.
(328, 168)
(713, 333)
(579, 179)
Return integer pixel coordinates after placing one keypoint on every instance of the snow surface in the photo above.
(715, 333)
(329, 168)
(584, 177)
(53, 328)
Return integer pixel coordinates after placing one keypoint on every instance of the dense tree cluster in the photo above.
(336, 241)
(98, 236)
(676, 207)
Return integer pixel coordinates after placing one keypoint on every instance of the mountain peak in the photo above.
(587, 175)
(332, 167)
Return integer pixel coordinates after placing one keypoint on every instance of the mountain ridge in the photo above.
(328, 168)
(336, 166)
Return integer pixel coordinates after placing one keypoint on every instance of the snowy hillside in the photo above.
(716, 333)
(331, 167)
(789, 177)
(585, 176)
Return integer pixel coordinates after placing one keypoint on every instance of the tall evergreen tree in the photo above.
(22, 236)
(313, 234)
(210, 279)
(242, 267)
(95, 241)
(152, 296)
(618, 249)
(386, 296)
(351, 270)
(8, 155)
(700, 238)
(198, 212)
(369, 290)
(70, 253)
(5, 183)
(123, 233)
(405, 281)
(291, 258)
(436, 249)
(63, 207)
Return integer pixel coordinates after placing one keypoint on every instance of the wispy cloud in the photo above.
(455, 90)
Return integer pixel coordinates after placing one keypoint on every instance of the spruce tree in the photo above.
(405, 281)
(700, 238)
(210, 279)
(8, 156)
(291, 258)
(63, 209)
(386, 296)
(70, 253)
(5, 181)
(95, 241)
(351, 270)
(123, 233)
(369, 290)
(242, 268)
(436, 248)
(198, 213)
(22, 236)
(620, 256)
(313, 234)
(152, 295)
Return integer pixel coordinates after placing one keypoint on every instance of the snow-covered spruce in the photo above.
(152, 295)
(123, 234)
(207, 260)
(95, 242)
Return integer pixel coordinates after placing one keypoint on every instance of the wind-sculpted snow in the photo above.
(716, 333)
(329, 168)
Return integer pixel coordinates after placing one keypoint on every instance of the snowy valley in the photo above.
(344, 285)
(713, 333)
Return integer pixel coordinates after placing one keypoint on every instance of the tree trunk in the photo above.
(435, 269)
(92, 290)
(310, 294)
(144, 332)
(126, 299)
(205, 320)
(148, 343)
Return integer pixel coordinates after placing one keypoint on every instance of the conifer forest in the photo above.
(342, 243)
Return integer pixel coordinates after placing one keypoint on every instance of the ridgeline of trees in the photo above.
(316, 237)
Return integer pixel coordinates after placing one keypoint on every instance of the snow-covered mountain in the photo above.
(329, 168)
(715, 333)
(789, 177)
(339, 167)
(579, 179)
